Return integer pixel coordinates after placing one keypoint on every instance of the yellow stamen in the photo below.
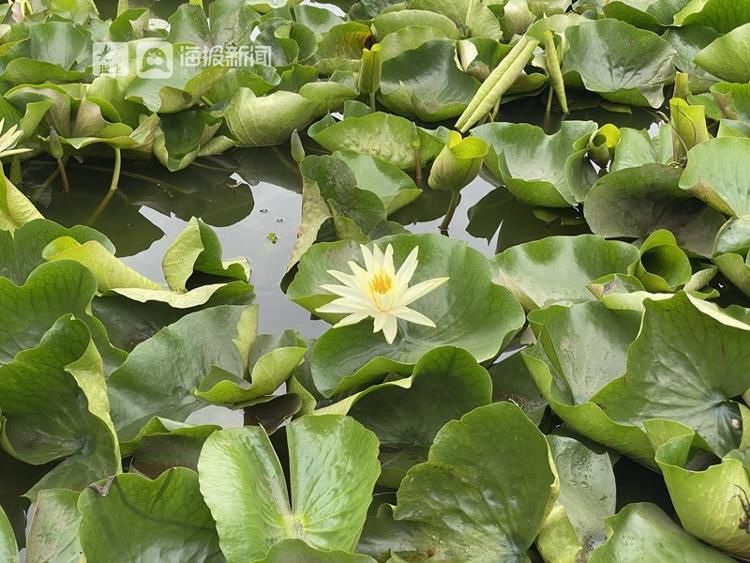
(381, 283)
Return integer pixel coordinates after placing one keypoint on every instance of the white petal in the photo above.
(407, 269)
(346, 291)
(343, 305)
(388, 261)
(367, 255)
(412, 316)
(352, 319)
(390, 329)
(381, 319)
(377, 259)
(346, 279)
(420, 290)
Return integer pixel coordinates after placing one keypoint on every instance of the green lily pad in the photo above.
(724, 484)
(579, 350)
(539, 169)
(267, 120)
(690, 378)
(642, 530)
(22, 249)
(297, 550)
(392, 185)
(425, 83)
(406, 414)
(731, 251)
(635, 202)
(53, 535)
(252, 509)
(716, 172)
(162, 444)
(67, 417)
(15, 208)
(181, 355)
(272, 362)
(558, 269)
(197, 250)
(382, 135)
(129, 516)
(475, 499)
(662, 266)
(728, 57)
(469, 311)
(575, 525)
(714, 14)
(390, 22)
(8, 547)
(511, 381)
(621, 63)
(638, 148)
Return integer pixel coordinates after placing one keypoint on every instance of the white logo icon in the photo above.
(154, 59)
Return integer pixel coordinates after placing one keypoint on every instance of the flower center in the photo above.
(381, 283)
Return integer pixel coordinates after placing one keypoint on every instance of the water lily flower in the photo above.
(380, 292)
(8, 141)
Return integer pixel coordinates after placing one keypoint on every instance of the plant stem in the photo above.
(372, 101)
(455, 199)
(418, 168)
(116, 170)
(63, 175)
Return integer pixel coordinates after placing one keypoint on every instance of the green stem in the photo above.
(418, 168)
(372, 101)
(63, 175)
(116, 170)
(455, 199)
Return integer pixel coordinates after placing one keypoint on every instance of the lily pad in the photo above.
(635, 202)
(8, 547)
(716, 172)
(642, 530)
(385, 136)
(469, 310)
(252, 509)
(690, 378)
(406, 414)
(558, 269)
(475, 499)
(128, 516)
(539, 169)
(690, 489)
(579, 350)
(728, 57)
(67, 418)
(182, 355)
(575, 525)
(394, 186)
(53, 535)
(426, 83)
(609, 57)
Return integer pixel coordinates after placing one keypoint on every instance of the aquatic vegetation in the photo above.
(557, 370)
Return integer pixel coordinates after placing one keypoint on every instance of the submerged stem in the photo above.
(116, 170)
(63, 175)
(455, 199)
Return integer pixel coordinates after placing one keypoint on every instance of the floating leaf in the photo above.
(475, 498)
(128, 516)
(252, 509)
